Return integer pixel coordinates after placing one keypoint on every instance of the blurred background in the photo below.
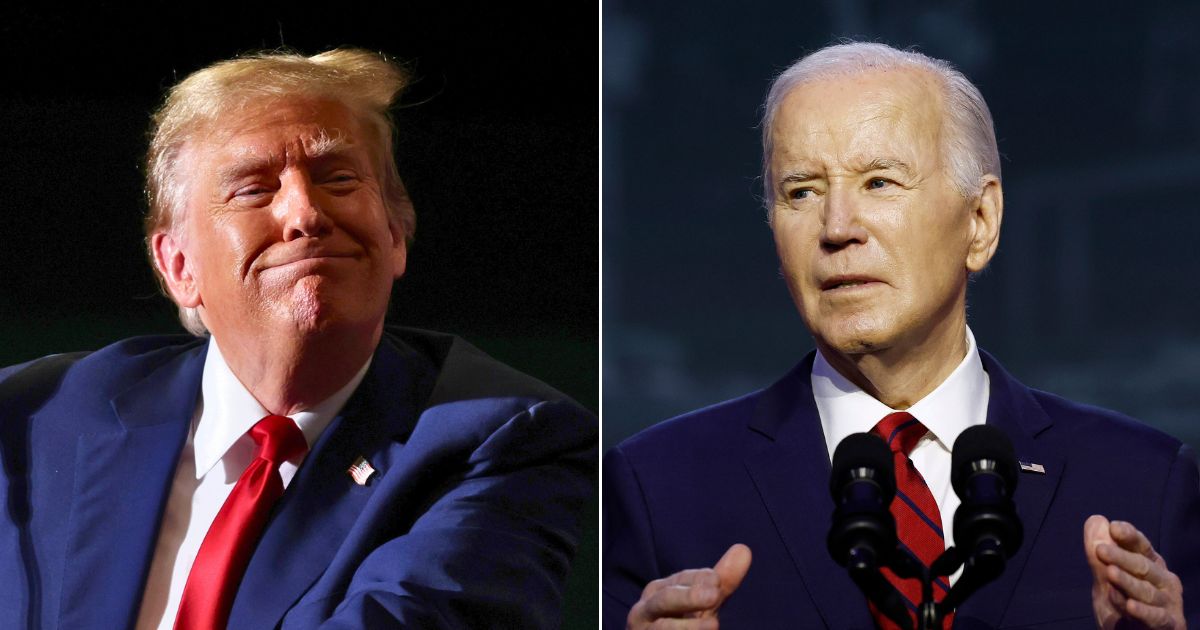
(1095, 290)
(498, 145)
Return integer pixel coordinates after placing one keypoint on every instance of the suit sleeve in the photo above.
(629, 559)
(495, 547)
(1180, 540)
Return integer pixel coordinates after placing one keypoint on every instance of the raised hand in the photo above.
(691, 598)
(1132, 586)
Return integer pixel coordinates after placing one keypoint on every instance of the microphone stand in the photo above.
(981, 567)
(864, 570)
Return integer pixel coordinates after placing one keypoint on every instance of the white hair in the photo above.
(970, 140)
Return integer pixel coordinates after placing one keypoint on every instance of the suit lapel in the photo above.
(123, 478)
(1012, 408)
(789, 464)
(323, 503)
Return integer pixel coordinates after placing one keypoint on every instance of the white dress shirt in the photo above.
(218, 450)
(958, 402)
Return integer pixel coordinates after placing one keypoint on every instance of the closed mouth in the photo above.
(844, 282)
(306, 259)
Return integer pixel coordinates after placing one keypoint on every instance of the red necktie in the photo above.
(230, 541)
(918, 520)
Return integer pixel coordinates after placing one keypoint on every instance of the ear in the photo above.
(399, 237)
(173, 266)
(985, 224)
(399, 251)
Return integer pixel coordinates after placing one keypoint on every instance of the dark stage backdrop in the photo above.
(498, 145)
(1095, 290)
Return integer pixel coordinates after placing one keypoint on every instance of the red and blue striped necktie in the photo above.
(918, 520)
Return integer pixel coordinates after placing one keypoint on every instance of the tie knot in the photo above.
(901, 431)
(277, 439)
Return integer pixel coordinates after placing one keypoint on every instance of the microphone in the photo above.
(863, 485)
(863, 535)
(984, 474)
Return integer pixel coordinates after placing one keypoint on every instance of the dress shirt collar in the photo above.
(958, 402)
(228, 410)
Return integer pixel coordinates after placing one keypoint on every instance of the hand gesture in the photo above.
(691, 598)
(1133, 587)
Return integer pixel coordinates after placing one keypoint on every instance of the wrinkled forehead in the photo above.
(273, 151)
(862, 117)
(267, 135)
(312, 124)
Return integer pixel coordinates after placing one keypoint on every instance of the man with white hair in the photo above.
(882, 182)
(294, 463)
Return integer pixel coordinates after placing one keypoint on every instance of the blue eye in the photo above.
(800, 193)
(877, 183)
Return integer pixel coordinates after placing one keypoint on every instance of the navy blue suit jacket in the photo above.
(471, 520)
(756, 470)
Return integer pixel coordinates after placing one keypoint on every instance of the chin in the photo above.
(309, 308)
(853, 346)
(857, 336)
(308, 317)
(311, 313)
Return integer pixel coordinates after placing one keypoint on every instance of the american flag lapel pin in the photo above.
(1032, 467)
(361, 471)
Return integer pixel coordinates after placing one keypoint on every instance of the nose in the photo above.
(300, 208)
(840, 220)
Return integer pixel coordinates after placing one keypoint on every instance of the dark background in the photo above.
(1095, 289)
(498, 145)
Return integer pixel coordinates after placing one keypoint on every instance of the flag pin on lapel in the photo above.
(361, 471)
(1032, 467)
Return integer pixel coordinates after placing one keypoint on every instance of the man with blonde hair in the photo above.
(882, 182)
(295, 463)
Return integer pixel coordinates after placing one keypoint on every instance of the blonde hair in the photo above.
(364, 82)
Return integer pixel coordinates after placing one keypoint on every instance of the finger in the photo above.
(732, 568)
(1095, 533)
(1132, 562)
(1152, 616)
(652, 587)
(1135, 564)
(1131, 538)
(1135, 588)
(694, 577)
(1116, 596)
(675, 601)
(685, 624)
(688, 577)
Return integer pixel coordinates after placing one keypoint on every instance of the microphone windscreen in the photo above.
(982, 441)
(863, 450)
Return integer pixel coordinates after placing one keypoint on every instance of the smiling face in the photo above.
(875, 241)
(284, 229)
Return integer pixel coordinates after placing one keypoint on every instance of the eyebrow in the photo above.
(322, 148)
(793, 177)
(327, 145)
(240, 169)
(888, 164)
(877, 164)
